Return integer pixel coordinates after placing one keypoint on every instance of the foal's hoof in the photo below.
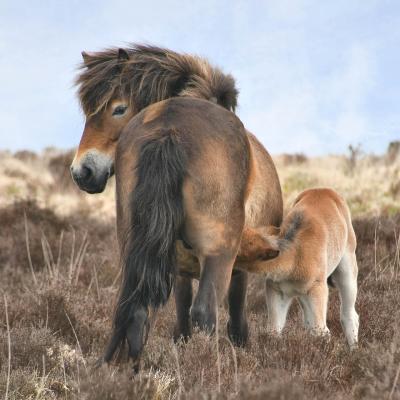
(238, 335)
(99, 363)
(322, 333)
(353, 346)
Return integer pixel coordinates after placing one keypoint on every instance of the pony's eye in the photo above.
(119, 110)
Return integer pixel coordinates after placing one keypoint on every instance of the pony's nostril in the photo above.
(86, 173)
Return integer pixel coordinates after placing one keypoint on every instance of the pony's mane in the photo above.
(149, 75)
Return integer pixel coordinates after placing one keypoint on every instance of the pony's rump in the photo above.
(149, 255)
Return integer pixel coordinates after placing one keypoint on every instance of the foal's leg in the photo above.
(345, 279)
(278, 304)
(214, 282)
(183, 302)
(314, 305)
(237, 324)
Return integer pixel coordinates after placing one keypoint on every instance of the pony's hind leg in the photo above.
(214, 282)
(345, 279)
(183, 302)
(237, 324)
(135, 332)
(136, 335)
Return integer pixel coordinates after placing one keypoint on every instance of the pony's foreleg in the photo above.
(183, 302)
(237, 324)
(215, 277)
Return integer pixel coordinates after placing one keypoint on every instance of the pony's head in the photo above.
(115, 84)
(107, 110)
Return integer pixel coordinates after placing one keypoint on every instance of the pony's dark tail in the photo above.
(149, 257)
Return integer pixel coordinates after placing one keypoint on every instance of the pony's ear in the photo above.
(123, 55)
(87, 57)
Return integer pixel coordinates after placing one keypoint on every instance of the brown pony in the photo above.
(117, 84)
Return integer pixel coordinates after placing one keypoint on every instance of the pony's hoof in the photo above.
(238, 335)
(135, 367)
(182, 335)
(203, 319)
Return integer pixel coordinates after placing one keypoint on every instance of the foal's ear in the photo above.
(123, 55)
(271, 230)
(269, 254)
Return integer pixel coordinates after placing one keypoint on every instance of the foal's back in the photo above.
(328, 221)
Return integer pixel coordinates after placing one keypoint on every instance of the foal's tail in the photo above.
(149, 256)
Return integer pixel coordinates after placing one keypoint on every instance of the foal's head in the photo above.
(259, 244)
(116, 84)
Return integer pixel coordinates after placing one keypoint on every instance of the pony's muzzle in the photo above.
(91, 173)
(85, 173)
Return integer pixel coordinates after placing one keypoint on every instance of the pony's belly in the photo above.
(188, 263)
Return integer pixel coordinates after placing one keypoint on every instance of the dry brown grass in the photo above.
(45, 178)
(59, 326)
(369, 183)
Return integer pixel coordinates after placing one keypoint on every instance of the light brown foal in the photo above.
(315, 242)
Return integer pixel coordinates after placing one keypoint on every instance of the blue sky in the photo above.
(314, 76)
